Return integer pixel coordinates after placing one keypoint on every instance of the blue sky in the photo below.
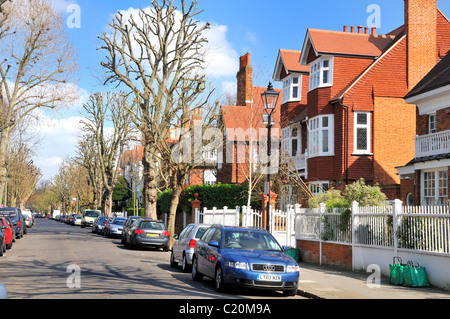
(260, 27)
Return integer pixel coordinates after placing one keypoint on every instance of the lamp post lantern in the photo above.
(269, 98)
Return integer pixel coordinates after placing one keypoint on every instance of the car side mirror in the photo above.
(213, 243)
(176, 236)
(286, 248)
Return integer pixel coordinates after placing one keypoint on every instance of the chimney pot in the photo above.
(360, 29)
(345, 28)
(374, 30)
(352, 29)
(366, 30)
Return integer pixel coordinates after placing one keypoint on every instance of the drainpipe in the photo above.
(346, 139)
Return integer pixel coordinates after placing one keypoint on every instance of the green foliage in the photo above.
(333, 198)
(218, 195)
(163, 203)
(121, 191)
(365, 195)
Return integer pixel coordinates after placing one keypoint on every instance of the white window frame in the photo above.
(366, 126)
(209, 177)
(432, 123)
(287, 140)
(288, 88)
(430, 188)
(318, 187)
(317, 69)
(317, 132)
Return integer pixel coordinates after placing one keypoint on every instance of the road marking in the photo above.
(306, 281)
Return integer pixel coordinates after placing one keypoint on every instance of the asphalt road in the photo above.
(60, 261)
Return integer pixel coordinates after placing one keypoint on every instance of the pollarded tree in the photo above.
(152, 54)
(108, 142)
(37, 64)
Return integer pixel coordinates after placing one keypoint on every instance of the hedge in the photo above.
(217, 195)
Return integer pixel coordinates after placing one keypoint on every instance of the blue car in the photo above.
(244, 256)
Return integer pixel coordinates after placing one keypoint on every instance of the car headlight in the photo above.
(237, 265)
(292, 268)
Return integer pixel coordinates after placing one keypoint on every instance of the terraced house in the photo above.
(350, 119)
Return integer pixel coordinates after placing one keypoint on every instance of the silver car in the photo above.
(183, 247)
(116, 227)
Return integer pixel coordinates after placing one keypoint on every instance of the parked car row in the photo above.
(14, 223)
(235, 256)
(71, 219)
(134, 231)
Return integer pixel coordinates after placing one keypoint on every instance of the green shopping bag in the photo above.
(415, 275)
(396, 270)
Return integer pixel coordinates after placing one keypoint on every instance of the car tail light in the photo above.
(192, 243)
(166, 233)
(18, 223)
(139, 231)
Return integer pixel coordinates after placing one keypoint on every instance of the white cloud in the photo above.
(59, 140)
(220, 57)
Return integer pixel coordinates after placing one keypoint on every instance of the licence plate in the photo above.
(152, 235)
(264, 277)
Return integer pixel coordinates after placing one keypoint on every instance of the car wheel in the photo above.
(290, 292)
(9, 246)
(219, 283)
(195, 274)
(184, 264)
(173, 263)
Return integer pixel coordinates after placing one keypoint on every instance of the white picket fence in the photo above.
(281, 222)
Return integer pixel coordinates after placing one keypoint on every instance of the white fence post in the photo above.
(355, 222)
(321, 211)
(396, 210)
(237, 214)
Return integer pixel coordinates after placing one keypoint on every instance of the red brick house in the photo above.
(241, 147)
(356, 123)
(424, 180)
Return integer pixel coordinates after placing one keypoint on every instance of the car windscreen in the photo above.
(252, 240)
(152, 225)
(91, 214)
(119, 221)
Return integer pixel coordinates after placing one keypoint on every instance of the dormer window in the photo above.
(321, 73)
(292, 88)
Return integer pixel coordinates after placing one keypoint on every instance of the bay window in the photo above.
(321, 73)
(292, 88)
(321, 136)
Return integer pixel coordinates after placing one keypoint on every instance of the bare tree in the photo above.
(108, 145)
(37, 64)
(87, 158)
(152, 54)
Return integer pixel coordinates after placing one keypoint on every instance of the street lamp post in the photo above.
(269, 98)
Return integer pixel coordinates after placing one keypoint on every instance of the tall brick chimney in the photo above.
(421, 28)
(244, 81)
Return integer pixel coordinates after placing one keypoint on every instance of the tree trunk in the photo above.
(107, 208)
(4, 138)
(150, 173)
(177, 188)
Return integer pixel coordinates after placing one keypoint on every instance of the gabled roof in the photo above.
(289, 61)
(437, 78)
(246, 116)
(325, 42)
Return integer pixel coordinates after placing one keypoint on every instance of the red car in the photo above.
(9, 234)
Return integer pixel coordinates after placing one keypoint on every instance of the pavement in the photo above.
(323, 282)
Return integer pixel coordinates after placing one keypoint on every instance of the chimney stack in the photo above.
(421, 30)
(244, 81)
